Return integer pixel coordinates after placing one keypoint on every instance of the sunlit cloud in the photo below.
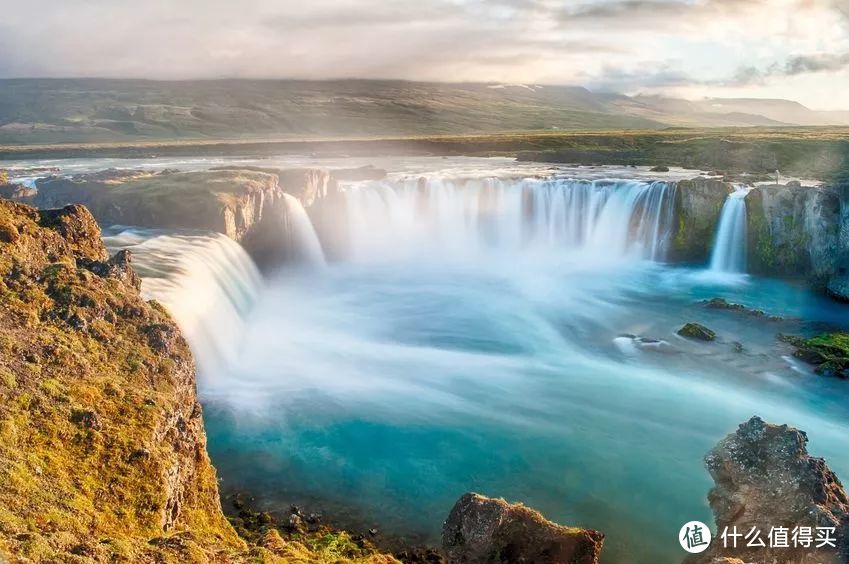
(692, 47)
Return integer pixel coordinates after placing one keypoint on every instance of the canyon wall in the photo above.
(793, 231)
(698, 203)
(838, 285)
(102, 447)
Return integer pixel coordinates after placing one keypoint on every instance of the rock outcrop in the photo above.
(230, 202)
(765, 478)
(838, 285)
(102, 447)
(829, 352)
(483, 530)
(249, 205)
(697, 332)
(698, 203)
(793, 231)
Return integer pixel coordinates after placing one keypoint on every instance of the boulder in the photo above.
(764, 478)
(483, 530)
(697, 331)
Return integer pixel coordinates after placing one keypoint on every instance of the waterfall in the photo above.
(207, 282)
(451, 218)
(729, 248)
(302, 241)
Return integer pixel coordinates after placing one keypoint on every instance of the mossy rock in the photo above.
(829, 352)
(697, 332)
(698, 204)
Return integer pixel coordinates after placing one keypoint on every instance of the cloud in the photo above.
(623, 45)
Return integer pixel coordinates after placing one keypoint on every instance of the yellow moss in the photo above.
(87, 416)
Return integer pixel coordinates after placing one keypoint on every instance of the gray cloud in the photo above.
(450, 40)
(793, 66)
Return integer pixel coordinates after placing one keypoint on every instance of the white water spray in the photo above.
(303, 243)
(730, 248)
(455, 219)
(208, 283)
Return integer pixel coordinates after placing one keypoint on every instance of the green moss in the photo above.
(88, 411)
(829, 352)
(697, 332)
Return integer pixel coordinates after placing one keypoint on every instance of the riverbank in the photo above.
(810, 152)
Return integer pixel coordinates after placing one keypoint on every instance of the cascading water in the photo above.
(302, 244)
(450, 218)
(207, 282)
(377, 393)
(729, 248)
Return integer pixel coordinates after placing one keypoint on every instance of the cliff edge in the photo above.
(102, 447)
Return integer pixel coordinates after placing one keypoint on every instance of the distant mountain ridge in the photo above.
(112, 110)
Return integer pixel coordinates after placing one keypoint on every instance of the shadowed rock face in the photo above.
(249, 205)
(765, 478)
(698, 203)
(838, 286)
(484, 530)
(793, 231)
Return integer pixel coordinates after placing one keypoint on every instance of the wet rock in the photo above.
(629, 343)
(484, 530)
(660, 168)
(838, 285)
(296, 523)
(829, 352)
(697, 331)
(698, 204)
(723, 304)
(793, 231)
(765, 478)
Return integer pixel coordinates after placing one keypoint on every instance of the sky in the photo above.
(794, 49)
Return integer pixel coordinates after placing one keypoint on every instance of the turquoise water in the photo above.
(468, 337)
(380, 392)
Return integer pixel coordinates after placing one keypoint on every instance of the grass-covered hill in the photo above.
(106, 110)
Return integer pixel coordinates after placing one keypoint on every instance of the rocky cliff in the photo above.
(103, 453)
(227, 201)
(102, 447)
(765, 478)
(793, 231)
(698, 203)
(838, 285)
(249, 205)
